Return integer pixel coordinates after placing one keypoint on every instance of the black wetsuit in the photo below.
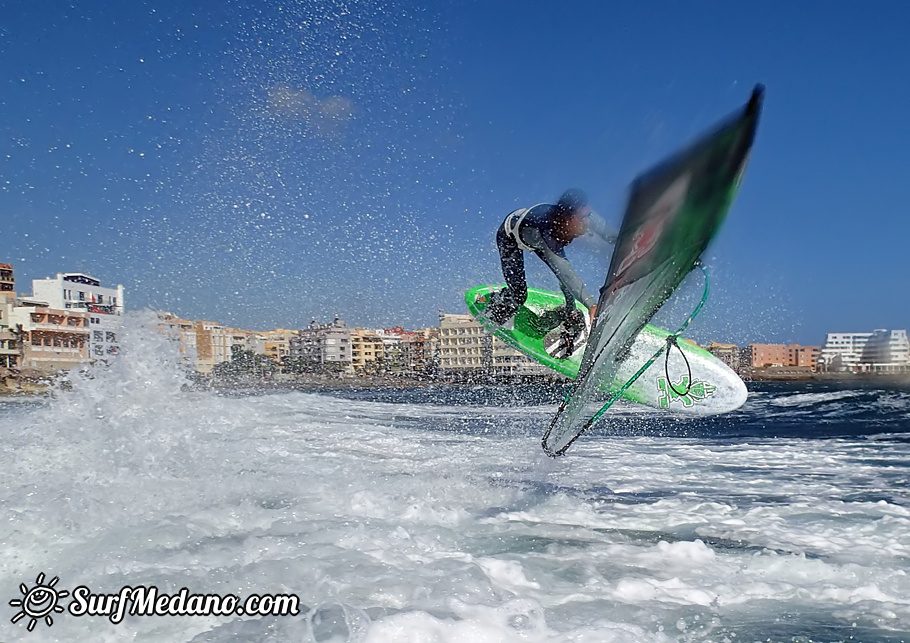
(535, 232)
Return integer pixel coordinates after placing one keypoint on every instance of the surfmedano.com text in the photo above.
(148, 601)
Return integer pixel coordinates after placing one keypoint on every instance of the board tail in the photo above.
(673, 212)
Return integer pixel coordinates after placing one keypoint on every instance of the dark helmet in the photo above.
(572, 200)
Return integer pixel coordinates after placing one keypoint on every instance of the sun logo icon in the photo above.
(38, 602)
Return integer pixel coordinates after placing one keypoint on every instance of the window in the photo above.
(111, 337)
(98, 336)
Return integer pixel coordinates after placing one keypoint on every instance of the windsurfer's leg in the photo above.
(506, 302)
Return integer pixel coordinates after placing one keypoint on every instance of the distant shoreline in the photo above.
(323, 383)
(888, 378)
(33, 387)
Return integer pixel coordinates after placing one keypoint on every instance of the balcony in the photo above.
(60, 328)
(59, 350)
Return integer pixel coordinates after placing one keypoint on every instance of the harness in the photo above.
(512, 225)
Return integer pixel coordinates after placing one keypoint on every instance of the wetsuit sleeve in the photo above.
(570, 283)
(598, 226)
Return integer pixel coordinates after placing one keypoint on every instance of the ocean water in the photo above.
(432, 514)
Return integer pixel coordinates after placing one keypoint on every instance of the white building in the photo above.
(83, 293)
(842, 351)
(886, 351)
(882, 351)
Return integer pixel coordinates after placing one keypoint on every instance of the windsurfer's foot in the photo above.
(496, 310)
(574, 322)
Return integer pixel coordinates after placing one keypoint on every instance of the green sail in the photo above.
(673, 212)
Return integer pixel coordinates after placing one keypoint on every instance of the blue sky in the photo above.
(263, 165)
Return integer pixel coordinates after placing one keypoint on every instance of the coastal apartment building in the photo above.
(183, 333)
(466, 348)
(41, 334)
(767, 355)
(50, 339)
(806, 356)
(420, 351)
(215, 344)
(463, 344)
(10, 349)
(392, 349)
(81, 292)
(320, 344)
(730, 354)
(274, 344)
(843, 352)
(881, 351)
(367, 351)
(7, 281)
(203, 344)
(886, 351)
(777, 355)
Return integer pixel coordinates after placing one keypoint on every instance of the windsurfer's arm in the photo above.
(598, 226)
(569, 282)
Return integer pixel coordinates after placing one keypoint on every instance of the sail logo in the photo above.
(683, 392)
(657, 216)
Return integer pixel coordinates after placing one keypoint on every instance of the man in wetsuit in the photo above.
(546, 230)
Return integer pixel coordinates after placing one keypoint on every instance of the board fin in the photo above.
(673, 212)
